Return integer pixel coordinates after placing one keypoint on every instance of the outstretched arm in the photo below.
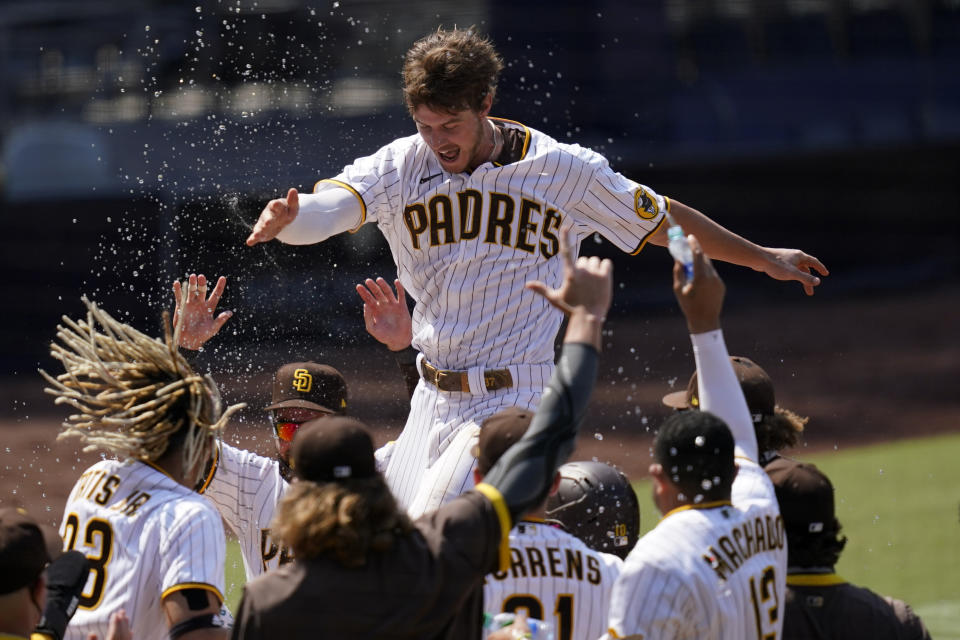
(722, 244)
(524, 473)
(701, 300)
(308, 218)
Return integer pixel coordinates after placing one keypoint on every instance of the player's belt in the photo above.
(444, 380)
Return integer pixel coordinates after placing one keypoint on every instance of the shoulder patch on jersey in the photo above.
(644, 204)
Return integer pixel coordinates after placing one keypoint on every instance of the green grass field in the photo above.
(899, 505)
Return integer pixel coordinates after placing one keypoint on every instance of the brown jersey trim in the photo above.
(814, 580)
(647, 237)
(213, 469)
(155, 467)
(363, 205)
(516, 143)
(192, 585)
(493, 494)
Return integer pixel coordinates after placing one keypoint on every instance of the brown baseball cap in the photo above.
(308, 385)
(332, 449)
(498, 433)
(756, 384)
(805, 495)
(26, 547)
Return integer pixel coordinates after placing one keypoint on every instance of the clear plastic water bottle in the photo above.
(539, 629)
(680, 247)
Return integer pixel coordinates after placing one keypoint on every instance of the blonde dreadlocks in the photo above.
(134, 393)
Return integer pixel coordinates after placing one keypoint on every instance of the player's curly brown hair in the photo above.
(348, 519)
(450, 71)
(779, 431)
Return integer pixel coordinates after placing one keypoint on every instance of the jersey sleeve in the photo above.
(192, 551)
(752, 486)
(243, 489)
(374, 180)
(623, 211)
(649, 601)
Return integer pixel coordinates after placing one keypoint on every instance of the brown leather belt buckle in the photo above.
(444, 380)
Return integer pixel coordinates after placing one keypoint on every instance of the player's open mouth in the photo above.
(448, 156)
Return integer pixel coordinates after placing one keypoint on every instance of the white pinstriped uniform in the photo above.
(464, 245)
(246, 488)
(714, 571)
(557, 578)
(669, 590)
(146, 536)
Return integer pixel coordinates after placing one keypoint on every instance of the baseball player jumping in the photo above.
(472, 207)
(715, 565)
(155, 547)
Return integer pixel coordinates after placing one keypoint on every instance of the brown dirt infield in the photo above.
(864, 370)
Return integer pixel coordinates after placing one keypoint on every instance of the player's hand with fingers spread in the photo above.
(793, 264)
(700, 298)
(199, 323)
(587, 283)
(385, 315)
(275, 216)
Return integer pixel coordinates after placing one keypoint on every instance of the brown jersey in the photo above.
(827, 607)
(429, 585)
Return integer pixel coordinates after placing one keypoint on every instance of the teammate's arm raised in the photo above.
(701, 300)
(722, 244)
(524, 473)
(199, 323)
(385, 314)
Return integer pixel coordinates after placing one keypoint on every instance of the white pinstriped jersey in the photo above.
(146, 536)
(465, 244)
(246, 488)
(556, 578)
(715, 571)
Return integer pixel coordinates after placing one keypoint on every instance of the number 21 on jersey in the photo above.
(563, 611)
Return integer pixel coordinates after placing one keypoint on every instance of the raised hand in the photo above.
(793, 264)
(701, 297)
(199, 324)
(385, 315)
(275, 216)
(587, 283)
